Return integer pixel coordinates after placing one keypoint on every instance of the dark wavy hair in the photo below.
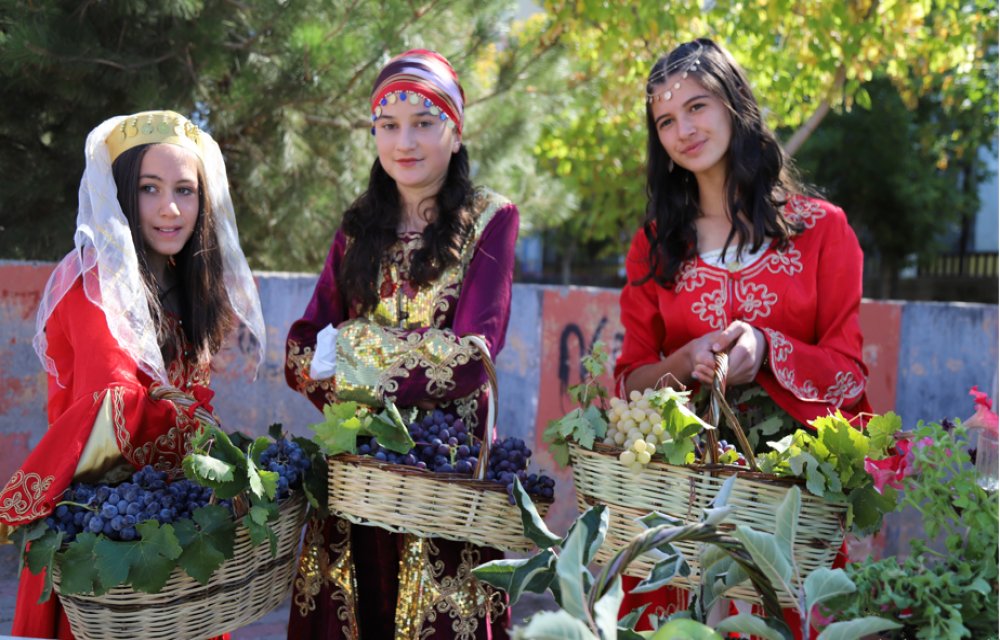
(758, 179)
(371, 225)
(206, 315)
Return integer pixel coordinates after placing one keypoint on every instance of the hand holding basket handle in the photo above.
(717, 408)
(193, 406)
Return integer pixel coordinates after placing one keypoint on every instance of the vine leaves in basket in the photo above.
(832, 461)
(345, 421)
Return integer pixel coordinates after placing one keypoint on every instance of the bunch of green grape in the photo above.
(635, 426)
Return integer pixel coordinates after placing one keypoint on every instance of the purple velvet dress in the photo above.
(364, 582)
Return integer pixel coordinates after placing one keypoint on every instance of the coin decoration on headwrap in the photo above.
(421, 76)
(105, 256)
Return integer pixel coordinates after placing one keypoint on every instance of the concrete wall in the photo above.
(923, 358)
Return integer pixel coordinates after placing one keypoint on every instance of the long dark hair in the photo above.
(371, 225)
(206, 315)
(758, 181)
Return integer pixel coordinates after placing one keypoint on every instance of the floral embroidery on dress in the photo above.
(711, 308)
(755, 300)
(804, 210)
(846, 386)
(23, 497)
(299, 360)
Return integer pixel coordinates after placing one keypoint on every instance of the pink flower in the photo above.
(887, 471)
(904, 447)
(984, 417)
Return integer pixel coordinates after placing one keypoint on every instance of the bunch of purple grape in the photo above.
(287, 459)
(115, 510)
(508, 460)
(442, 444)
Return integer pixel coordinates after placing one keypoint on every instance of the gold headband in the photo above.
(155, 127)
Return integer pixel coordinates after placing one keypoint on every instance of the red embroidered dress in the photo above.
(356, 581)
(805, 299)
(100, 414)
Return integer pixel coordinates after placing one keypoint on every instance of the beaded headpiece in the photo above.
(155, 127)
(686, 65)
(423, 77)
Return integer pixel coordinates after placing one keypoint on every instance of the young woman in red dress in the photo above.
(733, 256)
(156, 280)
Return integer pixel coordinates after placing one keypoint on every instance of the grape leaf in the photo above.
(881, 431)
(78, 567)
(213, 443)
(314, 485)
(23, 535)
(256, 521)
(338, 433)
(207, 541)
(262, 482)
(145, 563)
(275, 431)
(41, 556)
(208, 468)
(390, 431)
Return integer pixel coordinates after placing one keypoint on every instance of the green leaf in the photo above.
(720, 507)
(145, 563)
(630, 619)
(570, 568)
(390, 430)
(881, 431)
(858, 628)
(78, 567)
(559, 452)
(823, 584)
(554, 625)
(766, 552)
(43, 550)
(515, 576)
(339, 431)
(746, 624)
(594, 525)
(535, 528)
(207, 541)
(787, 521)
(687, 629)
(208, 468)
(25, 534)
(256, 521)
(275, 431)
(606, 609)
(663, 572)
(868, 507)
(657, 519)
(315, 482)
(862, 98)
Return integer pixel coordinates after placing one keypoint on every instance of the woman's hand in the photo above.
(746, 346)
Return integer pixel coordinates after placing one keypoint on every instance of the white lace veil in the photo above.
(105, 257)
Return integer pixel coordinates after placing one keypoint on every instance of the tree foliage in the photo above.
(804, 59)
(283, 88)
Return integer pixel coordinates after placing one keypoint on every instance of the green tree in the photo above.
(282, 86)
(805, 58)
(896, 192)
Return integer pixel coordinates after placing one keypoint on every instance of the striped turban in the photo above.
(427, 74)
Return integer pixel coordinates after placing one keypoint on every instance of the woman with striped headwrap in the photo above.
(422, 261)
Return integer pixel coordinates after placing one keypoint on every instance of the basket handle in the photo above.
(719, 407)
(479, 473)
(184, 401)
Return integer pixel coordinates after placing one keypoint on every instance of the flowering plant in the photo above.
(946, 587)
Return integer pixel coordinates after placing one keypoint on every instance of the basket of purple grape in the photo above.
(429, 475)
(161, 555)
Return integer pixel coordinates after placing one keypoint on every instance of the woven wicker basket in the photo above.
(242, 590)
(403, 499)
(683, 491)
